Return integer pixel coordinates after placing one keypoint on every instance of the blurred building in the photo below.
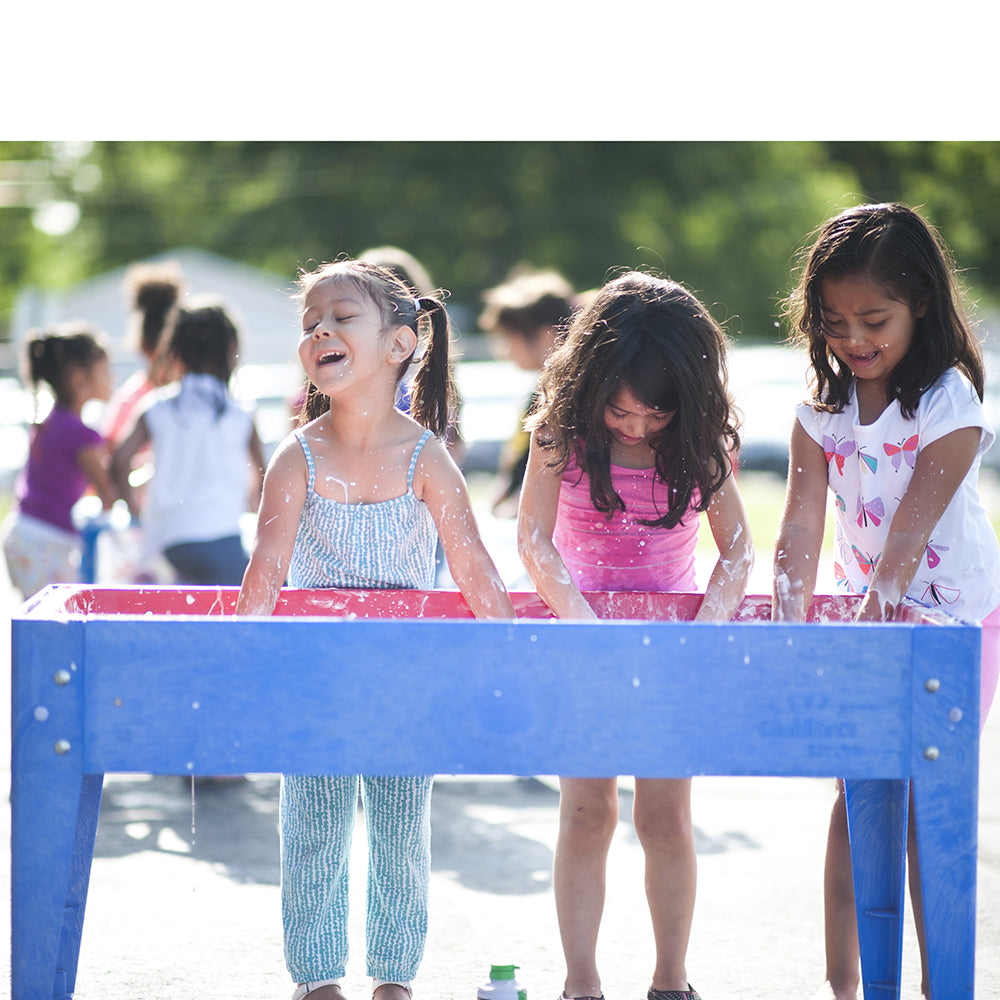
(269, 322)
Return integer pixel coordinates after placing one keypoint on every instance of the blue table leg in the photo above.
(944, 764)
(54, 812)
(877, 818)
(944, 816)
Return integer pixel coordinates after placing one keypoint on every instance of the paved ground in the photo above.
(184, 895)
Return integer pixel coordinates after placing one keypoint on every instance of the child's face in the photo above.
(96, 381)
(868, 331)
(528, 354)
(341, 335)
(631, 423)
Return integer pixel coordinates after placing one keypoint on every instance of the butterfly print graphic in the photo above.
(865, 561)
(838, 449)
(840, 576)
(873, 510)
(868, 462)
(937, 594)
(932, 554)
(905, 451)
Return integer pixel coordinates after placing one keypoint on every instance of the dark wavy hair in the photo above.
(52, 354)
(204, 338)
(652, 336)
(898, 249)
(152, 289)
(434, 397)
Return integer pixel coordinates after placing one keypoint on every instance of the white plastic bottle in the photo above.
(502, 985)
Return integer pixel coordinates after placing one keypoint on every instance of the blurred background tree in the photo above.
(725, 218)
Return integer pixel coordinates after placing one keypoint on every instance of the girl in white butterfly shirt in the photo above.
(895, 429)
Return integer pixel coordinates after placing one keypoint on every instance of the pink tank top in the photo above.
(620, 553)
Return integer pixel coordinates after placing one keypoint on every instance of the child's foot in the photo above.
(827, 992)
(392, 991)
(329, 991)
(689, 994)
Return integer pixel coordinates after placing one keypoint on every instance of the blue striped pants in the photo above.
(317, 824)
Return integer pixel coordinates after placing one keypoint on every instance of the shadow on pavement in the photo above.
(481, 827)
(231, 825)
(475, 836)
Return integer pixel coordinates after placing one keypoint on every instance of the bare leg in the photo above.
(843, 953)
(916, 897)
(588, 816)
(662, 816)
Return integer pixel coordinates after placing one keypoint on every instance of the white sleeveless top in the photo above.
(200, 438)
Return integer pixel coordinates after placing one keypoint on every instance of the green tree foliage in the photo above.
(725, 218)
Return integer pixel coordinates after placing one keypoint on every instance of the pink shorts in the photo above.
(989, 664)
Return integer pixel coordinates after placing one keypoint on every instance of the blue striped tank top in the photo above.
(389, 544)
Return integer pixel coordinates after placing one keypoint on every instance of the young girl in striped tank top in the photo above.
(356, 497)
(631, 440)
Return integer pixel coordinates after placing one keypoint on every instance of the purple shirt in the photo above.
(52, 481)
(620, 553)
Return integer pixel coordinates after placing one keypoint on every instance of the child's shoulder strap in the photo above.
(416, 455)
(301, 438)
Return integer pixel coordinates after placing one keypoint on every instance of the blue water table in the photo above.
(165, 680)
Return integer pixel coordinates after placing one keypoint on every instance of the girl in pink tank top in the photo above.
(630, 442)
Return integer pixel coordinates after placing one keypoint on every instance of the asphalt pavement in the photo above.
(184, 897)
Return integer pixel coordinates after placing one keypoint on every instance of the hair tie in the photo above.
(416, 303)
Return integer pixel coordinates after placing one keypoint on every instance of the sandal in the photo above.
(562, 996)
(689, 994)
(304, 990)
(378, 983)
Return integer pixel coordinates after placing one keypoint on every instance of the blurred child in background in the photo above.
(153, 291)
(523, 317)
(207, 455)
(65, 456)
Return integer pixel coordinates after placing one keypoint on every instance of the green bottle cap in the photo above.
(502, 971)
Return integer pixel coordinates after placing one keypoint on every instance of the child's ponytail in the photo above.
(51, 354)
(435, 398)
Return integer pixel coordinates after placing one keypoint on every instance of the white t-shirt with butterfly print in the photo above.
(869, 469)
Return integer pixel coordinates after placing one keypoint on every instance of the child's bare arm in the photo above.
(256, 455)
(93, 463)
(800, 533)
(730, 526)
(536, 519)
(281, 505)
(444, 490)
(939, 472)
(121, 463)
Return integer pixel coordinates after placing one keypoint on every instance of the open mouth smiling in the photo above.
(861, 359)
(329, 358)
